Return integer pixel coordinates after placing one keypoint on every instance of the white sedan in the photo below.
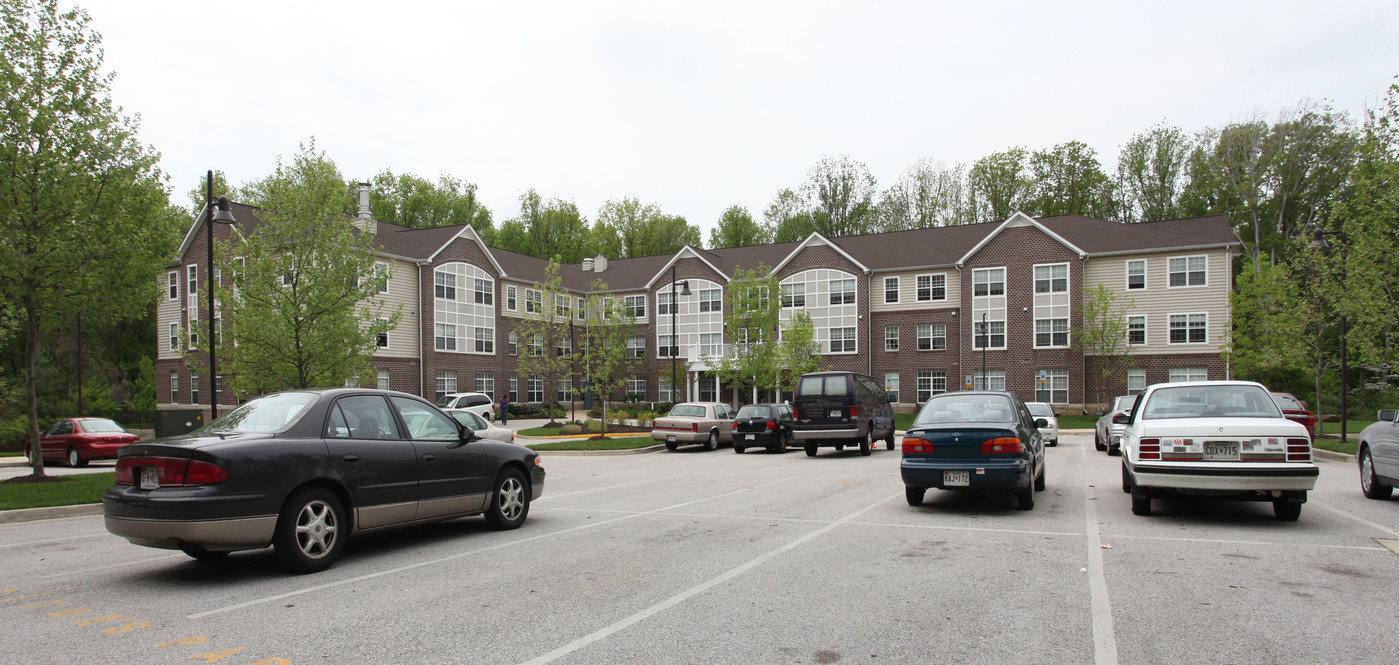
(1224, 439)
(483, 429)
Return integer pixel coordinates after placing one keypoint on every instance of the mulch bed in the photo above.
(617, 429)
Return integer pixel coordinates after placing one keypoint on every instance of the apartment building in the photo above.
(926, 311)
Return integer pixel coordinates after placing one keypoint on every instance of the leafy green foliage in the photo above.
(546, 339)
(999, 184)
(1151, 175)
(545, 229)
(1104, 330)
(304, 305)
(629, 228)
(736, 228)
(604, 344)
(418, 203)
(1069, 181)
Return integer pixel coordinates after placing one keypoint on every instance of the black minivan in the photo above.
(836, 409)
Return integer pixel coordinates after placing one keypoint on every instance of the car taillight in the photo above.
(735, 424)
(694, 427)
(1149, 449)
(1003, 444)
(854, 412)
(917, 445)
(771, 424)
(1299, 450)
(794, 414)
(171, 472)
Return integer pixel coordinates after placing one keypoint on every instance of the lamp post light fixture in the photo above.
(674, 334)
(218, 211)
(1319, 242)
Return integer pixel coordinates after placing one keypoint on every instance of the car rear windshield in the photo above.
(688, 411)
(1288, 402)
(272, 413)
(1039, 409)
(755, 411)
(101, 425)
(956, 408)
(1209, 402)
(1125, 403)
(819, 386)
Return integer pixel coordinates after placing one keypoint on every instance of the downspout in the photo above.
(961, 343)
(1082, 355)
(422, 361)
(869, 323)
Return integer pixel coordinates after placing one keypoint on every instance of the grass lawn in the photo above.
(624, 443)
(1335, 445)
(1353, 427)
(69, 490)
(11, 453)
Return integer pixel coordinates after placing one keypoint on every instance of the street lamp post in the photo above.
(222, 214)
(1319, 241)
(674, 336)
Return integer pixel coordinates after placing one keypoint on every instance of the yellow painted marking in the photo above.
(68, 613)
(273, 661)
(218, 655)
(1392, 544)
(32, 595)
(101, 619)
(9, 590)
(51, 602)
(192, 639)
(127, 628)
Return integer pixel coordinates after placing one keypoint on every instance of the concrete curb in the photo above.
(1332, 456)
(49, 513)
(16, 460)
(600, 453)
(556, 437)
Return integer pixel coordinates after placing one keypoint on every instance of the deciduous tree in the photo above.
(999, 185)
(417, 203)
(606, 363)
(736, 228)
(1151, 175)
(546, 345)
(1103, 333)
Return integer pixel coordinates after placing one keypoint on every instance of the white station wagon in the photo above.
(1224, 439)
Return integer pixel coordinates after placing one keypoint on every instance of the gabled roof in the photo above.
(469, 233)
(816, 240)
(1019, 219)
(688, 251)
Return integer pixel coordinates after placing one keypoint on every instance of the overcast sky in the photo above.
(698, 106)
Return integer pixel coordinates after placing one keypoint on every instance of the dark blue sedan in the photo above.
(974, 441)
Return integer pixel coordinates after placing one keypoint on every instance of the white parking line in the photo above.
(88, 569)
(53, 540)
(693, 591)
(461, 555)
(1372, 525)
(1104, 640)
(608, 487)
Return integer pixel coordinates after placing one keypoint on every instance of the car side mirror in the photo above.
(1121, 419)
(1041, 422)
(1101, 413)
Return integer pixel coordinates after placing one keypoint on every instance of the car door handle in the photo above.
(352, 458)
(428, 458)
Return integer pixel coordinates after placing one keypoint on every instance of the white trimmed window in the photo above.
(511, 303)
(193, 329)
(930, 288)
(383, 337)
(712, 345)
(174, 336)
(383, 383)
(582, 309)
(485, 340)
(1136, 274)
(483, 291)
(564, 347)
(446, 337)
(1187, 271)
(444, 285)
(794, 295)
(193, 388)
(636, 347)
(931, 383)
(485, 383)
(172, 280)
(534, 389)
(446, 382)
(989, 282)
(1136, 380)
(991, 379)
(512, 342)
(842, 292)
(891, 338)
(1052, 385)
(563, 306)
(990, 335)
(663, 392)
(1052, 278)
(663, 302)
(534, 346)
(1188, 328)
(381, 276)
(1136, 330)
(514, 387)
(534, 301)
(664, 345)
(636, 306)
(565, 393)
(711, 300)
(636, 385)
(1179, 374)
(891, 289)
(1051, 333)
(842, 340)
(174, 387)
(932, 337)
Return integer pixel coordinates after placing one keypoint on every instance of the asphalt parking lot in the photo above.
(712, 557)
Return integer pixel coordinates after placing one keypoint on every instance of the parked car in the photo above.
(77, 441)
(1223, 439)
(1050, 431)
(1295, 409)
(481, 427)
(766, 425)
(477, 403)
(303, 471)
(1107, 432)
(836, 409)
(1378, 455)
(974, 441)
(709, 423)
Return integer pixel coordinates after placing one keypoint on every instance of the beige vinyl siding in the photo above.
(908, 285)
(1157, 302)
(519, 311)
(403, 290)
(167, 312)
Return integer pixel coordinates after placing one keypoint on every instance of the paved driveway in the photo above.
(712, 557)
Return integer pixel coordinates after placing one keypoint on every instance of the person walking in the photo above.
(504, 410)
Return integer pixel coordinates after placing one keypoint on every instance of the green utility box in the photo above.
(177, 421)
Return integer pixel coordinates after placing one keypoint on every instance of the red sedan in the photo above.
(79, 440)
(1295, 410)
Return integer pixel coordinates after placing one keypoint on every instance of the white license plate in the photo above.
(835, 413)
(1221, 450)
(149, 479)
(957, 478)
(670, 438)
(749, 437)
